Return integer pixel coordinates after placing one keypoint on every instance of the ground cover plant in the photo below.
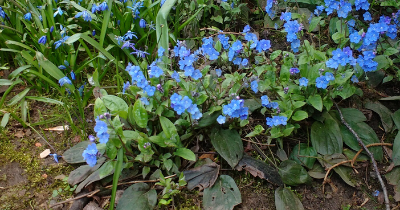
(167, 85)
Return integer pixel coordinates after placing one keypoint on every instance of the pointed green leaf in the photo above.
(138, 197)
(316, 102)
(228, 144)
(140, 114)
(224, 195)
(285, 199)
(326, 137)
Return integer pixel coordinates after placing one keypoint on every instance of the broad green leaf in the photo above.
(257, 130)
(302, 154)
(396, 150)
(162, 29)
(115, 104)
(299, 115)
(285, 199)
(366, 134)
(17, 71)
(74, 154)
(314, 23)
(345, 173)
(138, 197)
(293, 173)
(4, 120)
(396, 119)
(326, 137)
(99, 108)
(106, 169)
(393, 177)
(81, 173)
(185, 153)
(170, 130)
(351, 115)
(140, 114)
(18, 97)
(5, 82)
(390, 51)
(46, 100)
(316, 102)
(275, 54)
(203, 176)
(208, 119)
(228, 144)
(224, 195)
(49, 67)
(383, 112)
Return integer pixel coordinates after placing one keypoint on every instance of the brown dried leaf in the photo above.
(19, 134)
(202, 177)
(204, 156)
(58, 128)
(37, 144)
(259, 168)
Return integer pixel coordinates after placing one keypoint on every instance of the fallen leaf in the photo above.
(58, 128)
(60, 177)
(37, 144)
(202, 177)
(19, 134)
(204, 156)
(45, 153)
(44, 176)
(259, 168)
(28, 132)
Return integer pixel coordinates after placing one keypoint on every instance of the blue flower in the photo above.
(72, 75)
(264, 100)
(276, 121)
(60, 42)
(175, 76)
(103, 6)
(42, 40)
(340, 57)
(224, 40)
(149, 90)
(145, 101)
(221, 119)
(286, 16)
(126, 86)
(160, 51)
(319, 10)
(129, 35)
(62, 67)
(135, 8)
(51, 29)
(294, 71)
(329, 76)
(64, 80)
(236, 109)
(246, 29)
(272, 105)
(361, 4)
(321, 82)
(254, 86)
(303, 82)
(142, 23)
(90, 155)
(355, 37)
(245, 62)
(155, 71)
(354, 79)
(196, 74)
(367, 16)
(95, 8)
(268, 9)
(85, 14)
(94, 32)
(59, 11)
(28, 16)
(101, 131)
(344, 9)
(366, 61)
(351, 22)
(263, 45)
(218, 72)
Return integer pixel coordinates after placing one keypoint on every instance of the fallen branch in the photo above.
(369, 145)
(220, 32)
(76, 198)
(329, 170)
(370, 155)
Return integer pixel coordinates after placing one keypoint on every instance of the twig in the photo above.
(369, 145)
(330, 168)
(141, 181)
(220, 32)
(269, 145)
(370, 155)
(76, 198)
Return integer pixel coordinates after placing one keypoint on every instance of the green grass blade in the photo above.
(117, 173)
(44, 99)
(5, 119)
(92, 42)
(8, 91)
(18, 97)
(49, 67)
(19, 44)
(191, 18)
(162, 24)
(106, 20)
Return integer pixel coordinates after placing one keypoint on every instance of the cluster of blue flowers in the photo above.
(268, 8)
(2, 13)
(266, 103)
(234, 109)
(136, 5)
(366, 61)
(276, 121)
(181, 104)
(292, 27)
(85, 14)
(139, 79)
(187, 59)
(341, 57)
(99, 8)
(63, 37)
(323, 81)
(101, 131)
(342, 7)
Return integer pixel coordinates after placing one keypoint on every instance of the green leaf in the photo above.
(326, 137)
(208, 119)
(92, 42)
(275, 54)
(203, 176)
(106, 20)
(18, 97)
(224, 195)
(299, 115)
(17, 71)
(106, 169)
(5, 82)
(253, 104)
(49, 67)
(140, 114)
(170, 130)
(4, 120)
(383, 112)
(396, 150)
(162, 29)
(115, 104)
(117, 173)
(366, 134)
(314, 23)
(218, 19)
(316, 102)
(138, 197)
(345, 173)
(185, 153)
(43, 99)
(74, 154)
(390, 51)
(81, 173)
(99, 108)
(228, 144)
(257, 130)
(293, 173)
(303, 154)
(285, 199)
(384, 61)
(396, 119)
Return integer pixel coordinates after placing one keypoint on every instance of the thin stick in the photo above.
(369, 145)
(220, 32)
(269, 145)
(76, 198)
(370, 155)
(332, 167)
